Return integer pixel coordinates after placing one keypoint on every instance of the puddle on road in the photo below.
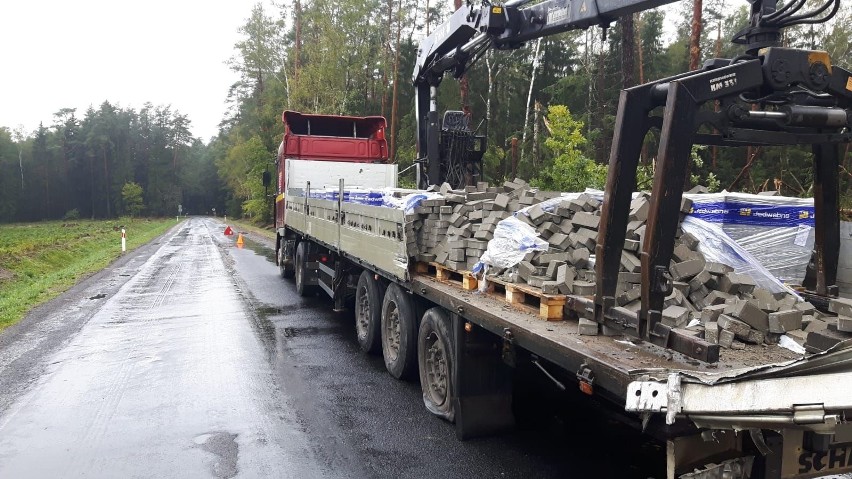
(258, 249)
(223, 445)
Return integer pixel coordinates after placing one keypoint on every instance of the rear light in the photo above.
(380, 134)
(324, 259)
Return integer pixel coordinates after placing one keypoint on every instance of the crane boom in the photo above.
(471, 30)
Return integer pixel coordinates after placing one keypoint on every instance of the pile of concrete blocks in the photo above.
(454, 230)
(709, 300)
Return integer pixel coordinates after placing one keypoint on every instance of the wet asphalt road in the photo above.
(190, 357)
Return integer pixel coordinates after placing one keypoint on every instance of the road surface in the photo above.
(190, 357)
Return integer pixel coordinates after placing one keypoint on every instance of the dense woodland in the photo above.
(554, 99)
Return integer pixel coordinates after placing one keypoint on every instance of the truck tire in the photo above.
(286, 271)
(301, 270)
(435, 355)
(399, 333)
(368, 312)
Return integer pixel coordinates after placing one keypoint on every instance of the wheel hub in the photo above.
(392, 333)
(363, 319)
(436, 369)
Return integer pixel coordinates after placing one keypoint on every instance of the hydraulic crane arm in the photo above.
(458, 43)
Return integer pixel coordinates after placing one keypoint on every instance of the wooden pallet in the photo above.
(526, 297)
(465, 279)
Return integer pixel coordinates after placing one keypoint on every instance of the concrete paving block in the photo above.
(711, 313)
(816, 325)
(685, 205)
(502, 201)
(745, 282)
(716, 297)
(711, 332)
(727, 283)
(765, 300)
(525, 270)
(729, 323)
(805, 307)
(550, 287)
(580, 257)
(675, 316)
(584, 288)
(628, 296)
(587, 327)
(749, 314)
(841, 306)
(630, 262)
(560, 240)
(552, 266)
(798, 336)
(639, 209)
(631, 245)
(717, 268)
(682, 253)
(699, 280)
(536, 214)
(686, 270)
(783, 321)
(844, 323)
(586, 220)
(726, 338)
(755, 337)
(689, 241)
(536, 281)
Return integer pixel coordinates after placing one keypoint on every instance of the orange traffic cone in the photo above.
(228, 231)
(240, 239)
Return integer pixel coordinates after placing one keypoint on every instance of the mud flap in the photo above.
(482, 381)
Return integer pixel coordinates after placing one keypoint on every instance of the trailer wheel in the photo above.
(399, 333)
(301, 270)
(286, 269)
(435, 359)
(368, 312)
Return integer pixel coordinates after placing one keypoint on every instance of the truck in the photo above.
(344, 229)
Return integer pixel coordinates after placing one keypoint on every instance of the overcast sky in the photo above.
(76, 53)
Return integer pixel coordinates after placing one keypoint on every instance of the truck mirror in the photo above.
(267, 178)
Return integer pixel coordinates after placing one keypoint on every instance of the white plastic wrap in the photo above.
(513, 239)
(776, 230)
(718, 247)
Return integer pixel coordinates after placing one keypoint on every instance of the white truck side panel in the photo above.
(373, 235)
(327, 174)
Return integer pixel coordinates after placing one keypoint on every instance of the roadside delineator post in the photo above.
(123, 240)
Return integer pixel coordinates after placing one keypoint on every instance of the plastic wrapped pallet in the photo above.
(776, 230)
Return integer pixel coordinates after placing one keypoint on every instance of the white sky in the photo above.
(76, 53)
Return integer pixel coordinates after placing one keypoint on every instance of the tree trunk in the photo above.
(639, 50)
(464, 85)
(536, 58)
(427, 18)
(628, 52)
(387, 49)
(297, 42)
(536, 121)
(695, 36)
(395, 101)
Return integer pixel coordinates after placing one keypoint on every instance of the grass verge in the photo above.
(38, 261)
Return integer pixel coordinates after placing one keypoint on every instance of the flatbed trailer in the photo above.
(341, 240)
(463, 341)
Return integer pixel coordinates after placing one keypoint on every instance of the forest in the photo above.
(548, 109)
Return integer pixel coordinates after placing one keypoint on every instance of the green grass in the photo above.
(38, 261)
